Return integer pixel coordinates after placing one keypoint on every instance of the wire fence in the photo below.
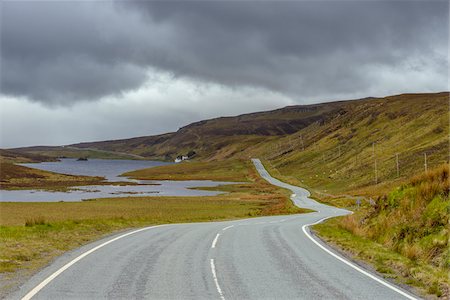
(373, 156)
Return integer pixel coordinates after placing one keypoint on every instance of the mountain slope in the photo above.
(359, 149)
(331, 146)
(210, 136)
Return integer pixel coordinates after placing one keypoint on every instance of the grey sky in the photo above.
(78, 71)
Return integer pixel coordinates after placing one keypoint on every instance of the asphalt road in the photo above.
(258, 258)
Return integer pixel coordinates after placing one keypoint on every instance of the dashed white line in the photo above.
(40, 286)
(213, 271)
(228, 227)
(353, 265)
(213, 245)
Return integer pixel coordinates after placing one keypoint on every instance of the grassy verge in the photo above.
(32, 234)
(405, 234)
(391, 264)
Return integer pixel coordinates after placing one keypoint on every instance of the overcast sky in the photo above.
(76, 71)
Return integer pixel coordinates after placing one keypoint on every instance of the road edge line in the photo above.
(352, 265)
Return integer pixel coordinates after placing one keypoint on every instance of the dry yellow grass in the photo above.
(411, 221)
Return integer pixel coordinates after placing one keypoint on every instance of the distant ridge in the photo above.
(335, 137)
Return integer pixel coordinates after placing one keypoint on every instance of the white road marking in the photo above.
(41, 285)
(213, 245)
(228, 227)
(351, 264)
(213, 271)
(260, 167)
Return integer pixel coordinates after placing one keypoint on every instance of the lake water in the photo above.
(110, 169)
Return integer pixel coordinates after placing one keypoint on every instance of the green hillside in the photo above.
(331, 148)
(358, 149)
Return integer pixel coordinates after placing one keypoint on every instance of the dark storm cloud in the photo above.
(298, 47)
(64, 52)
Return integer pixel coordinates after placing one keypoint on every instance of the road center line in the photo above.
(228, 227)
(41, 285)
(213, 271)
(213, 245)
(385, 283)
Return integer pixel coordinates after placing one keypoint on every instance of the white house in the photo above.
(181, 158)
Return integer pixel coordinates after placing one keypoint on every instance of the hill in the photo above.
(22, 157)
(209, 138)
(328, 147)
(369, 147)
(57, 152)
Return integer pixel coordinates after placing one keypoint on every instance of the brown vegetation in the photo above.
(14, 176)
(412, 220)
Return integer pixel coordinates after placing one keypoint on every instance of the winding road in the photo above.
(260, 258)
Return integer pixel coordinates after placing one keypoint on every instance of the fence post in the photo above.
(425, 164)
(375, 163)
(398, 167)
